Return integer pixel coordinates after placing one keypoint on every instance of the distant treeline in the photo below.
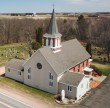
(15, 30)
(95, 29)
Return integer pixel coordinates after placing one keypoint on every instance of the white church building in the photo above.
(55, 67)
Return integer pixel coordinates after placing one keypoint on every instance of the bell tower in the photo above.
(52, 38)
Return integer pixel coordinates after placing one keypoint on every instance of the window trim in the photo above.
(69, 88)
(51, 76)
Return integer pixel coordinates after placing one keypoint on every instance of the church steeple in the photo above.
(52, 38)
(53, 29)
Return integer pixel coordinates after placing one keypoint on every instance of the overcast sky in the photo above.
(8, 6)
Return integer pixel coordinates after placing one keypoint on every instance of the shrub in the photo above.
(96, 70)
(35, 45)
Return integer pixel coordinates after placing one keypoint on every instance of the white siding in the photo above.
(14, 74)
(81, 90)
(40, 77)
(70, 94)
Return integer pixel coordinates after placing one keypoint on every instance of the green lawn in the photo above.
(47, 97)
(10, 51)
(105, 68)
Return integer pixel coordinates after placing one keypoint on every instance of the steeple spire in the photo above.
(52, 38)
(53, 28)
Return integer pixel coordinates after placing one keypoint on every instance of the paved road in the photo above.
(9, 102)
(3, 106)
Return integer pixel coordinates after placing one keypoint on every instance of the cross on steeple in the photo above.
(53, 6)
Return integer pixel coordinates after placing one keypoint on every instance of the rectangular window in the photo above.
(50, 76)
(87, 63)
(83, 65)
(29, 76)
(8, 70)
(19, 73)
(29, 70)
(69, 88)
(50, 83)
(78, 68)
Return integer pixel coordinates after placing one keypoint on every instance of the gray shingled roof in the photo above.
(71, 54)
(71, 78)
(16, 64)
(53, 29)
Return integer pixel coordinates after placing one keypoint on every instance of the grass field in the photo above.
(27, 90)
(104, 68)
(10, 51)
(18, 50)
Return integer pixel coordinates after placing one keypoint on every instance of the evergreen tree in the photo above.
(88, 48)
(80, 18)
(82, 28)
(39, 35)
